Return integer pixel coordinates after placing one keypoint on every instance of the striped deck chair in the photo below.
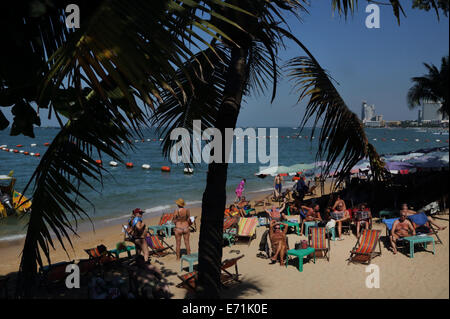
(365, 247)
(247, 228)
(229, 230)
(158, 246)
(101, 255)
(317, 239)
(189, 280)
(165, 218)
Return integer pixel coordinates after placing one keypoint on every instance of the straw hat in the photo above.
(180, 202)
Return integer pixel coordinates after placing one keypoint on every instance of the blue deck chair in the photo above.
(389, 222)
(423, 226)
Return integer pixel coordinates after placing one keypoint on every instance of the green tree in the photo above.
(432, 87)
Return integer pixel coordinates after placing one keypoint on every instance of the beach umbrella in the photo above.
(400, 167)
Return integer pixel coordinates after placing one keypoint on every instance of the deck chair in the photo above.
(189, 280)
(389, 222)
(101, 255)
(158, 246)
(422, 226)
(229, 230)
(365, 247)
(193, 225)
(247, 228)
(317, 239)
(165, 218)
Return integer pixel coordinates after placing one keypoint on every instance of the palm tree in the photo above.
(432, 87)
(141, 50)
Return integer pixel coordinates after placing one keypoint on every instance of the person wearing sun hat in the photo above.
(181, 218)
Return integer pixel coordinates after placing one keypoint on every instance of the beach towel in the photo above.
(240, 188)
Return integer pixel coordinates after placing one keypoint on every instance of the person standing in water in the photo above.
(240, 190)
(278, 184)
(181, 219)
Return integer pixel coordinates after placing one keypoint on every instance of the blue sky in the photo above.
(370, 64)
(375, 65)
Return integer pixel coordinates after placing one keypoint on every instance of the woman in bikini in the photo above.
(181, 218)
(138, 231)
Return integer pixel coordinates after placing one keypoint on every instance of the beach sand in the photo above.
(424, 276)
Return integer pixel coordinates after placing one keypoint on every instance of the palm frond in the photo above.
(342, 140)
(66, 165)
(206, 71)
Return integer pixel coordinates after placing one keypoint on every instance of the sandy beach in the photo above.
(424, 276)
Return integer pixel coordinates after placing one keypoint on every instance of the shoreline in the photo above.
(101, 232)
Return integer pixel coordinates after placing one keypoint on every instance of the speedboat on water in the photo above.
(12, 203)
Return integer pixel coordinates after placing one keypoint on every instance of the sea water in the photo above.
(155, 191)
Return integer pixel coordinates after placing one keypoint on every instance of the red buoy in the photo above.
(16, 151)
(99, 162)
(165, 169)
(46, 144)
(37, 154)
(295, 178)
(26, 153)
(19, 145)
(129, 165)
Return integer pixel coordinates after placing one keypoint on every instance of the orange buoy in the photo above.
(165, 169)
(129, 165)
(46, 144)
(37, 154)
(19, 145)
(99, 162)
(26, 153)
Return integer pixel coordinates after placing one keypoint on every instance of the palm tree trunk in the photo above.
(214, 197)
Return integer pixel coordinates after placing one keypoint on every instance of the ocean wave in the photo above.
(12, 237)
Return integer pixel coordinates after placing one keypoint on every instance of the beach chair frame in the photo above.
(189, 280)
(159, 251)
(326, 251)
(372, 254)
(432, 231)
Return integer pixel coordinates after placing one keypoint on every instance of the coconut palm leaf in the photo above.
(206, 72)
(342, 139)
(66, 165)
(345, 7)
(431, 87)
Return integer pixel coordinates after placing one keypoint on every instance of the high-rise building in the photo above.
(367, 112)
(430, 111)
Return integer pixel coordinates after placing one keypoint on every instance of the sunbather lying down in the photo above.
(409, 212)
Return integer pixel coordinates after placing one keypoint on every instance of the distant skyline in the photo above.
(373, 65)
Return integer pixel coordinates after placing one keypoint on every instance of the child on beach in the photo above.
(240, 190)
